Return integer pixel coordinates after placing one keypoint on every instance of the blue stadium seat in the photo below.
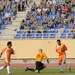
(32, 35)
(12, 1)
(27, 21)
(12, 13)
(44, 25)
(70, 35)
(52, 12)
(45, 35)
(48, 30)
(41, 21)
(55, 31)
(5, 22)
(55, 18)
(21, 32)
(74, 15)
(37, 17)
(2, 27)
(58, 26)
(52, 35)
(63, 35)
(65, 31)
(34, 31)
(24, 36)
(33, 13)
(68, 25)
(18, 36)
(50, 16)
(38, 35)
(43, 17)
(31, 25)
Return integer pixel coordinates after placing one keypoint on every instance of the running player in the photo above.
(7, 56)
(39, 64)
(61, 50)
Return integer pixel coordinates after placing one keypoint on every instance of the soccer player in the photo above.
(39, 64)
(61, 50)
(7, 56)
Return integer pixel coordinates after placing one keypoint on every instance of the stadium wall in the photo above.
(29, 48)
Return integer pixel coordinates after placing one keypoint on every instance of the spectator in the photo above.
(28, 16)
(1, 21)
(51, 24)
(7, 16)
(1, 8)
(39, 10)
(22, 25)
(14, 8)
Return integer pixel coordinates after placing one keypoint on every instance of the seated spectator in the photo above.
(32, 18)
(70, 18)
(1, 21)
(14, 8)
(45, 22)
(47, 18)
(45, 9)
(48, 7)
(51, 24)
(65, 8)
(28, 16)
(1, 8)
(22, 25)
(36, 23)
(34, 7)
(7, 16)
(39, 10)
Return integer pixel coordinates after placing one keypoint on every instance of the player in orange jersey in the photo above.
(7, 56)
(39, 64)
(61, 50)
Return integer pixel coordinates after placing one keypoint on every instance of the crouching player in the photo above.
(39, 64)
(7, 56)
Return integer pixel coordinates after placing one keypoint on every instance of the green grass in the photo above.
(47, 71)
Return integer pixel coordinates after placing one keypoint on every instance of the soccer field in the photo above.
(47, 71)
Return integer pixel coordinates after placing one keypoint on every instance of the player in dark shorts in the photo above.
(39, 64)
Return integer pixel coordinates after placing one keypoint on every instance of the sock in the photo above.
(1, 67)
(61, 69)
(31, 69)
(8, 69)
(67, 66)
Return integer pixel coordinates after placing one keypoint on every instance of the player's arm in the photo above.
(1, 54)
(46, 58)
(13, 51)
(64, 48)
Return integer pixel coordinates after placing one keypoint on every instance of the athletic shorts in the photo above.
(6, 61)
(61, 58)
(39, 65)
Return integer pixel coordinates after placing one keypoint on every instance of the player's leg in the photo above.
(30, 69)
(60, 64)
(42, 66)
(7, 62)
(37, 70)
(64, 62)
(5, 65)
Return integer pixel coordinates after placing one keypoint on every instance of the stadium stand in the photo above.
(47, 19)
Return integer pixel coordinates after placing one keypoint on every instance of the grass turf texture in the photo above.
(47, 71)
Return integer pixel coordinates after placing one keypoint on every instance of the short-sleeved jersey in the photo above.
(40, 56)
(61, 48)
(7, 52)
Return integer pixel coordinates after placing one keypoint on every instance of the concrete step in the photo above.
(6, 37)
